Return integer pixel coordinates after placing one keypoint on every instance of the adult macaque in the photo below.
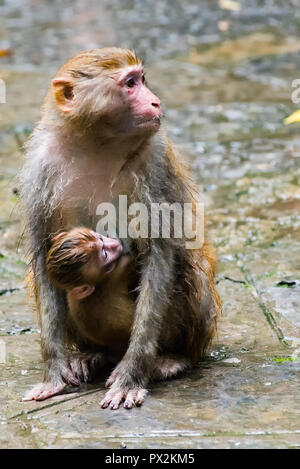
(99, 137)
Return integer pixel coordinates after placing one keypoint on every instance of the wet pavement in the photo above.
(224, 78)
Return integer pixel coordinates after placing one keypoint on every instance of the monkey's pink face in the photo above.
(117, 101)
(145, 109)
(109, 253)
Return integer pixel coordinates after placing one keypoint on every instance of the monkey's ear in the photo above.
(63, 92)
(81, 292)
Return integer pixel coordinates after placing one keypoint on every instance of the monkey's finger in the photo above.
(97, 362)
(105, 401)
(115, 374)
(93, 368)
(43, 391)
(85, 371)
(112, 399)
(76, 367)
(32, 393)
(50, 391)
(70, 378)
(140, 397)
(110, 380)
(116, 400)
(130, 399)
(135, 397)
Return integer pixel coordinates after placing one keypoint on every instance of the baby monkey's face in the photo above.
(109, 252)
(81, 259)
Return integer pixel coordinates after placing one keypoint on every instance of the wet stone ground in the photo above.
(225, 80)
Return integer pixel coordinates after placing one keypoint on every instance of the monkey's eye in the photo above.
(104, 254)
(130, 82)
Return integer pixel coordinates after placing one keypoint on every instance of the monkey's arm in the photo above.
(130, 377)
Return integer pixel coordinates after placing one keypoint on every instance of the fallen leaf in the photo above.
(295, 117)
(5, 52)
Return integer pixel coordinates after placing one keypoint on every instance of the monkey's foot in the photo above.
(86, 365)
(44, 390)
(115, 396)
(168, 367)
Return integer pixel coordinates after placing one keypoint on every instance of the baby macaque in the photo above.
(93, 271)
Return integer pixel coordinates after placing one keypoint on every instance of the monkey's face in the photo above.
(109, 253)
(113, 98)
(141, 108)
(107, 256)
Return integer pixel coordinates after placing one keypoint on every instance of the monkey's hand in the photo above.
(85, 366)
(123, 387)
(81, 367)
(59, 370)
(116, 395)
(74, 368)
(44, 390)
(58, 375)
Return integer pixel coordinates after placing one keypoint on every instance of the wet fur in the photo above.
(177, 306)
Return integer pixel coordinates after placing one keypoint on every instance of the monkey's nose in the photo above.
(110, 243)
(156, 104)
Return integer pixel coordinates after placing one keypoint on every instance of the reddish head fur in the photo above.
(108, 58)
(69, 254)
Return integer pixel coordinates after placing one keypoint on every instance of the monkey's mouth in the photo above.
(114, 264)
(153, 121)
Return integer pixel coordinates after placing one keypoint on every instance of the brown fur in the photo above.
(69, 253)
(89, 147)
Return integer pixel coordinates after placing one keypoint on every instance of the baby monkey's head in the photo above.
(80, 259)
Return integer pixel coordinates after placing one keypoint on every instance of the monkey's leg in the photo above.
(130, 378)
(53, 308)
(169, 366)
(57, 359)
